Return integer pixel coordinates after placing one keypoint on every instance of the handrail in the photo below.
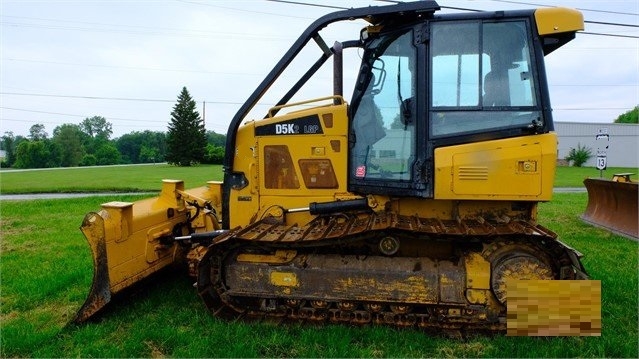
(335, 98)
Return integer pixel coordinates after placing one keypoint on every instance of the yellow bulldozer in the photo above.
(413, 204)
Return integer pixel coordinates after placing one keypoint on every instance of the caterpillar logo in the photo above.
(285, 129)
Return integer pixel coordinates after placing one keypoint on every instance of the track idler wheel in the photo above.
(517, 265)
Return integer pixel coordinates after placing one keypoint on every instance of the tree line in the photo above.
(89, 143)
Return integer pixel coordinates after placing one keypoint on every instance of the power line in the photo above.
(135, 67)
(469, 9)
(610, 35)
(118, 26)
(67, 114)
(110, 98)
(85, 97)
(580, 9)
(610, 23)
(59, 123)
(310, 4)
(221, 35)
(244, 10)
(260, 75)
(261, 38)
(533, 4)
(596, 85)
(133, 99)
(588, 109)
(28, 121)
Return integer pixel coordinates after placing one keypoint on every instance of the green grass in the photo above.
(148, 178)
(46, 271)
(574, 176)
(102, 179)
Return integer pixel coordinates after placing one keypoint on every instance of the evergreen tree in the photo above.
(186, 139)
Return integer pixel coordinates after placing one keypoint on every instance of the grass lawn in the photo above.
(148, 178)
(46, 272)
(574, 176)
(132, 178)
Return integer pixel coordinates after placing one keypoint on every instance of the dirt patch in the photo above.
(471, 349)
(9, 236)
(156, 351)
(6, 318)
(9, 228)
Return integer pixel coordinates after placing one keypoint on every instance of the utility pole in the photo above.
(204, 113)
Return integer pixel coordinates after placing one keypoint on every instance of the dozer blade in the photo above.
(613, 205)
(130, 241)
(100, 294)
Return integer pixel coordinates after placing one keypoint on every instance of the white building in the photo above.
(622, 142)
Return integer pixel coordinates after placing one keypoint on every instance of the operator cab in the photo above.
(444, 81)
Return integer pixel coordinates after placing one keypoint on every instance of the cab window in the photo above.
(481, 79)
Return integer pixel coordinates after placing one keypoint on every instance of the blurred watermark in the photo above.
(553, 308)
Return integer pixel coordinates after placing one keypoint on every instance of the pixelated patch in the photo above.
(553, 308)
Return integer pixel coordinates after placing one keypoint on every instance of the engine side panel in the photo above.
(514, 169)
(289, 161)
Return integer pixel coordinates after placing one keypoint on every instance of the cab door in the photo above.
(386, 117)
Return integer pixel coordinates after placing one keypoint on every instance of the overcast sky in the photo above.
(63, 61)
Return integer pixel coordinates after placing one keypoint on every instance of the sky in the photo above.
(62, 61)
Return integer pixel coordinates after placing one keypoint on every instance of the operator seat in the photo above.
(496, 89)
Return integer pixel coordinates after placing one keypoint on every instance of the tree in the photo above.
(216, 139)
(88, 160)
(631, 116)
(132, 145)
(32, 154)
(107, 154)
(186, 138)
(97, 131)
(37, 132)
(129, 146)
(8, 144)
(148, 154)
(54, 151)
(215, 148)
(69, 138)
(97, 127)
(214, 154)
